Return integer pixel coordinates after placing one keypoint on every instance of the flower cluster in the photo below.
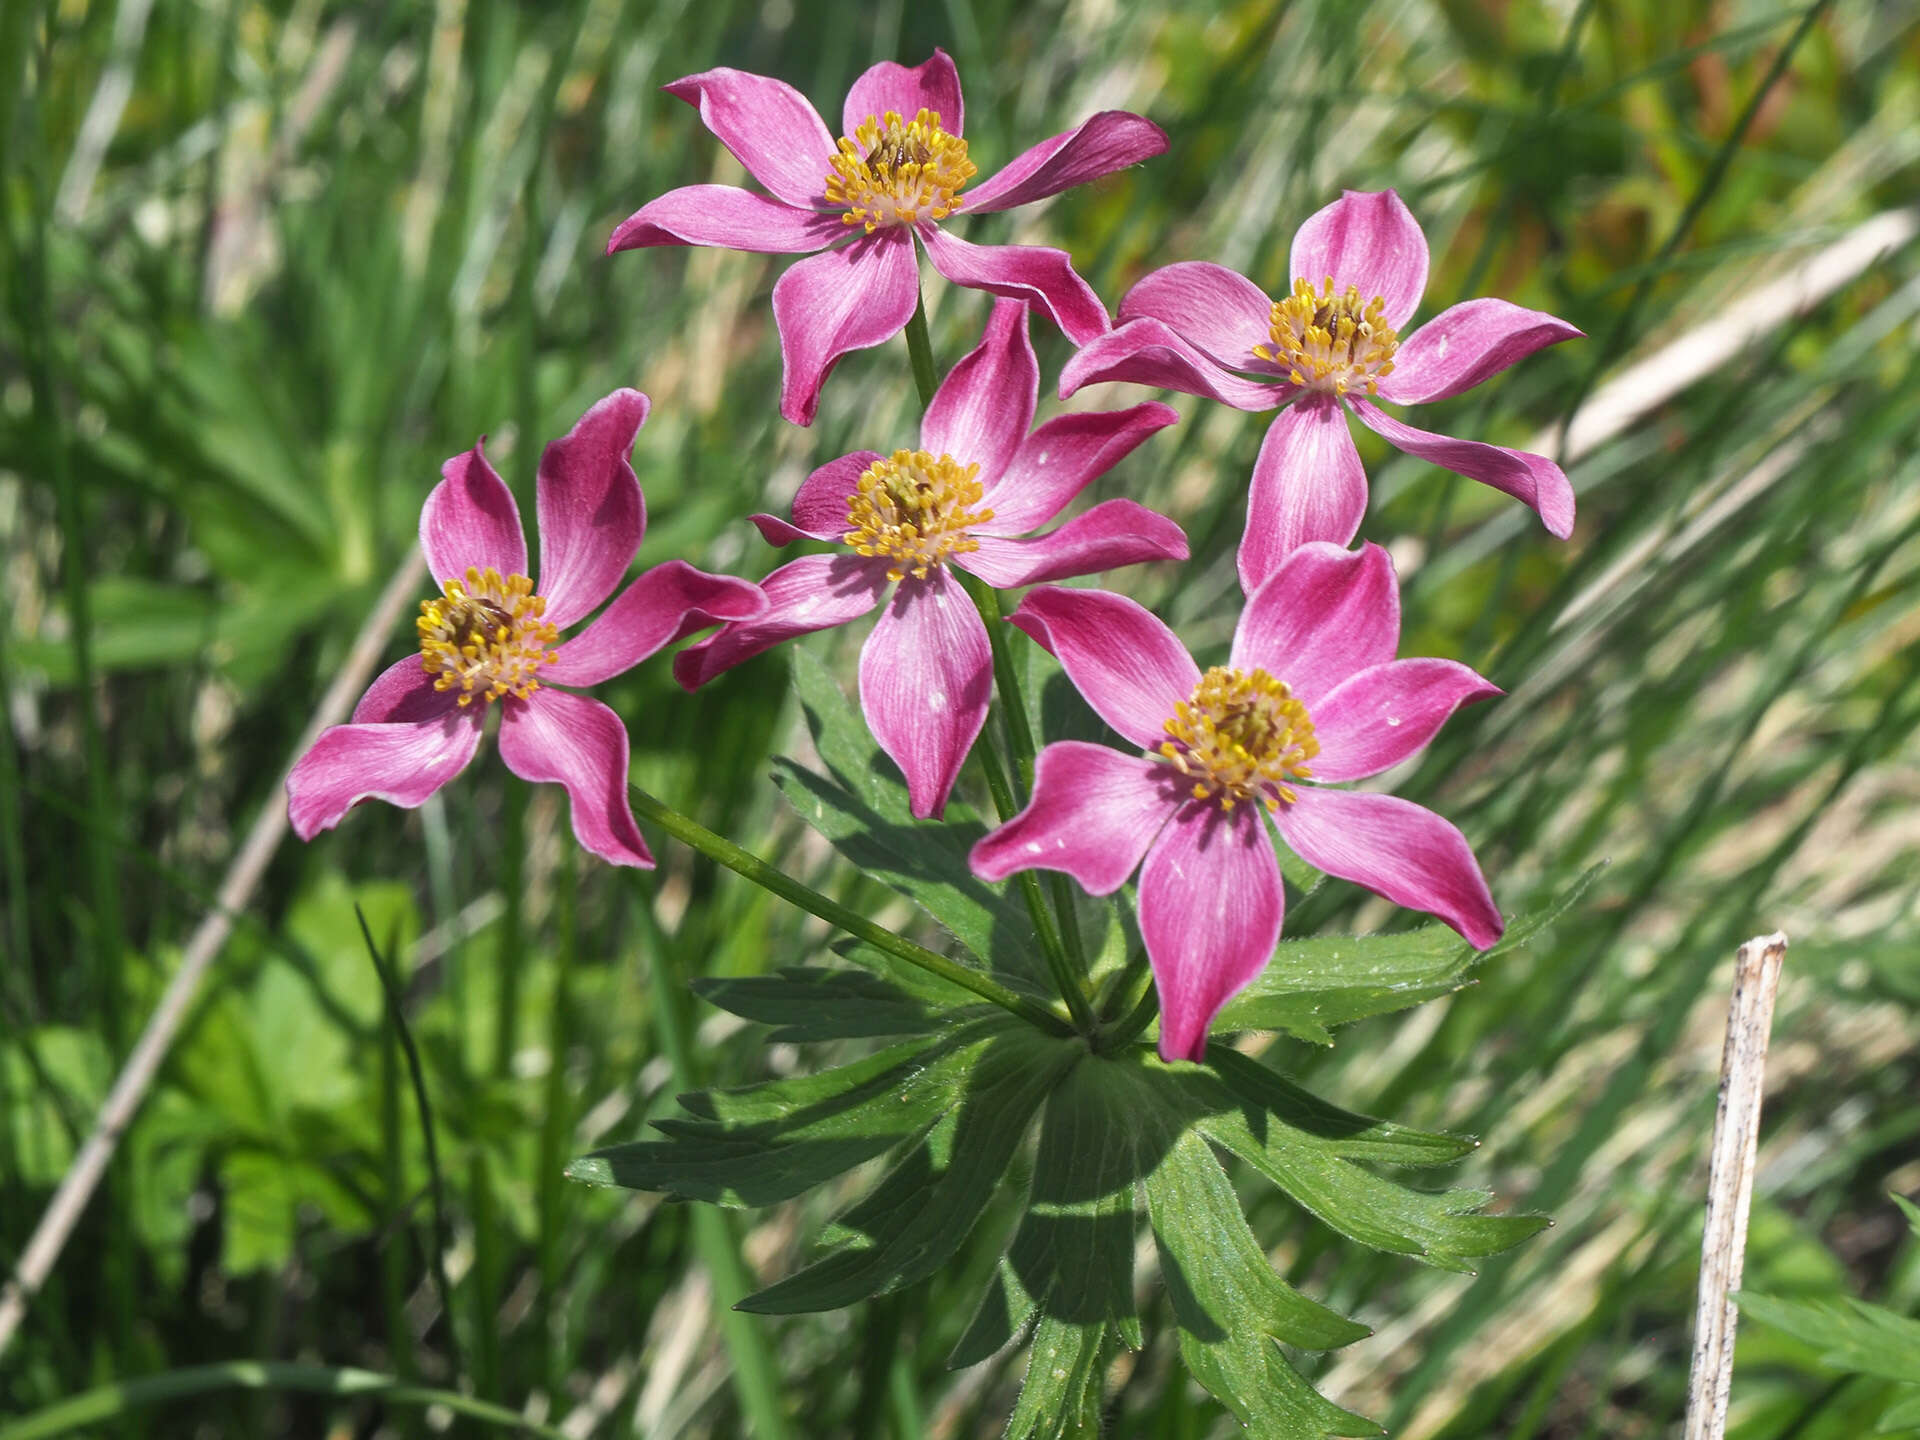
(1218, 761)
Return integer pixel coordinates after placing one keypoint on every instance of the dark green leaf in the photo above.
(1060, 1396)
(1850, 1334)
(1341, 1132)
(809, 1004)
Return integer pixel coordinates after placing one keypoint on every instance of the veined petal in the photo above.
(934, 85)
(729, 217)
(846, 299)
(1148, 352)
(1218, 311)
(1397, 849)
(1043, 277)
(1101, 144)
(1326, 614)
(1064, 456)
(1465, 344)
(1531, 479)
(1369, 240)
(591, 511)
(1374, 719)
(403, 692)
(1111, 534)
(926, 675)
(815, 592)
(820, 504)
(571, 741)
(981, 411)
(1093, 814)
(1308, 484)
(400, 762)
(769, 127)
(1130, 667)
(1211, 904)
(665, 604)
(470, 520)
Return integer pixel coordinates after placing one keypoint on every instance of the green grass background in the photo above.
(327, 245)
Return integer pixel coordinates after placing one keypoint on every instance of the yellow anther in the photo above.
(1331, 342)
(915, 509)
(898, 172)
(1242, 735)
(485, 636)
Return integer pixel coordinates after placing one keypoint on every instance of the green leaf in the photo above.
(1315, 984)
(1060, 1395)
(1849, 1334)
(1342, 1132)
(861, 806)
(917, 1217)
(808, 1004)
(1911, 1211)
(1902, 1414)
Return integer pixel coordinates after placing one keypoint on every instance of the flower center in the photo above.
(915, 510)
(908, 169)
(1242, 735)
(1331, 342)
(485, 636)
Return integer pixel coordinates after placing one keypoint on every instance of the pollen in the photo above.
(915, 509)
(1331, 342)
(1241, 736)
(898, 172)
(486, 636)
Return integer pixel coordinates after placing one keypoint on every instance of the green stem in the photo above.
(1129, 1029)
(719, 849)
(920, 353)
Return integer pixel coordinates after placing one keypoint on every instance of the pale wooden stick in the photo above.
(143, 1062)
(1736, 1139)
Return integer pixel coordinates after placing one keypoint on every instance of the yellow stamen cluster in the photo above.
(485, 636)
(915, 510)
(1331, 342)
(1241, 736)
(897, 172)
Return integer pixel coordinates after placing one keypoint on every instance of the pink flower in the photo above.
(1310, 692)
(900, 170)
(977, 481)
(1359, 268)
(493, 635)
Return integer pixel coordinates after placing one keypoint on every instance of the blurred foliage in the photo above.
(310, 249)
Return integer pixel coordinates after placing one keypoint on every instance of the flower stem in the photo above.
(769, 877)
(920, 353)
(1126, 1030)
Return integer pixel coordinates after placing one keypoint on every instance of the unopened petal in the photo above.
(580, 745)
(1369, 240)
(1130, 667)
(1093, 814)
(926, 676)
(1465, 344)
(400, 762)
(846, 299)
(1041, 276)
(1110, 535)
(1308, 484)
(981, 411)
(591, 512)
(1327, 613)
(663, 605)
(1099, 145)
(770, 128)
(1384, 714)
(470, 521)
(1531, 479)
(729, 217)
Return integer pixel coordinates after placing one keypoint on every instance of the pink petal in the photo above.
(1093, 814)
(1308, 484)
(1064, 456)
(665, 604)
(470, 520)
(1532, 479)
(402, 692)
(820, 505)
(1326, 614)
(1464, 345)
(1378, 717)
(815, 592)
(1111, 534)
(1132, 669)
(1148, 352)
(1099, 145)
(1369, 240)
(1218, 311)
(933, 85)
(926, 675)
(592, 514)
(770, 128)
(846, 299)
(1397, 849)
(981, 411)
(730, 217)
(1041, 276)
(401, 762)
(1210, 909)
(569, 740)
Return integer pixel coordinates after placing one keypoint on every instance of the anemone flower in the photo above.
(1359, 267)
(1311, 692)
(493, 636)
(898, 171)
(978, 481)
